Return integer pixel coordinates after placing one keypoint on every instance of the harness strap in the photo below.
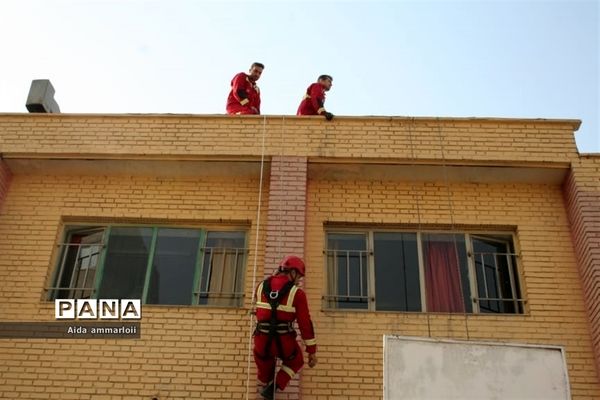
(282, 328)
(274, 298)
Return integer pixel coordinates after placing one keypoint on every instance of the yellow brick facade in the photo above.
(180, 355)
(187, 137)
(202, 352)
(555, 309)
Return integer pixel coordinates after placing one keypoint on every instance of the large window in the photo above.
(160, 265)
(422, 271)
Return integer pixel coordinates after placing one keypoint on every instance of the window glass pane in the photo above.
(347, 274)
(173, 266)
(446, 273)
(221, 283)
(493, 258)
(397, 286)
(126, 262)
(78, 263)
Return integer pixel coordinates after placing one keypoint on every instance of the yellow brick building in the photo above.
(121, 192)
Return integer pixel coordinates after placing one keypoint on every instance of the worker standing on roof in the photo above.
(244, 97)
(313, 102)
(279, 301)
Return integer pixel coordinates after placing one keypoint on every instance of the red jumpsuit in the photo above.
(291, 307)
(244, 97)
(313, 102)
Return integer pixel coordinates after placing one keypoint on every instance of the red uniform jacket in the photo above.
(313, 102)
(244, 97)
(291, 307)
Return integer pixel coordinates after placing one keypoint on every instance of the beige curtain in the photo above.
(224, 275)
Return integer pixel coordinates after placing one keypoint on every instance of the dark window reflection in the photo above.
(173, 266)
(397, 272)
(126, 263)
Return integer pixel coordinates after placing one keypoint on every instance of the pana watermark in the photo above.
(97, 309)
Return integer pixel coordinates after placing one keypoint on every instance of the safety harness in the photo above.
(275, 328)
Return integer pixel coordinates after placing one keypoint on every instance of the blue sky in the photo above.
(531, 59)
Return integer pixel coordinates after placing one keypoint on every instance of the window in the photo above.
(223, 269)
(422, 271)
(160, 265)
(396, 271)
(497, 277)
(79, 261)
(347, 257)
(446, 273)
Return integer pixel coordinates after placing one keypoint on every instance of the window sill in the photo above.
(419, 313)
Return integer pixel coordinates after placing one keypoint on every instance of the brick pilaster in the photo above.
(582, 196)
(287, 210)
(286, 223)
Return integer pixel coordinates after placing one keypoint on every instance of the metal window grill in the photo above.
(348, 279)
(497, 283)
(222, 274)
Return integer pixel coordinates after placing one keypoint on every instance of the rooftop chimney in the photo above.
(41, 97)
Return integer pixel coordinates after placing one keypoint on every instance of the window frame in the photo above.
(370, 271)
(518, 285)
(51, 290)
(196, 292)
(60, 256)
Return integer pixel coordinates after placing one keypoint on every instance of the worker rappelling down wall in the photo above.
(429, 369)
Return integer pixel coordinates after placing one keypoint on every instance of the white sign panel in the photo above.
(429, 369)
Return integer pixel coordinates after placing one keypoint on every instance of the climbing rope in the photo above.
(453, 227)
(278, 251)
(258, 212)
(417, 197)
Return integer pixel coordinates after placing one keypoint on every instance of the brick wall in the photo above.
(582, 197)
(350, 342)
(5, 178)
(185, 352)
(483, 140)
(180, 356)
(287, 210)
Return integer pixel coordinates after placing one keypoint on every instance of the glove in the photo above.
(312, 360)
(328, 116)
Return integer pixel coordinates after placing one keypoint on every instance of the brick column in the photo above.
(5, 178)
(286, 222)
(582, 196)
(286, 218)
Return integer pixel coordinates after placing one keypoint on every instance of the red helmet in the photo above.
(292, 262)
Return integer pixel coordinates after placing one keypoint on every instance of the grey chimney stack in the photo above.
(41, 97)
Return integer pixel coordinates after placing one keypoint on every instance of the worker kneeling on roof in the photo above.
(279, 303)
(313, 102)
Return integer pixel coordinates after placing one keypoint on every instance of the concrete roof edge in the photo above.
(312, 160)
(575, 123)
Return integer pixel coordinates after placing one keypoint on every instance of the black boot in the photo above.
(268, 392)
